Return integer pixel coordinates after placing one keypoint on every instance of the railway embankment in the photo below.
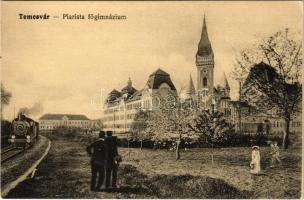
(23, 166)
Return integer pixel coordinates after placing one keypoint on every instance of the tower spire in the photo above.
(204, 46)
(129, 82)
(226, 84)
(190, 90)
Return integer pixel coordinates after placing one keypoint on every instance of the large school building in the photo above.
(121, 105)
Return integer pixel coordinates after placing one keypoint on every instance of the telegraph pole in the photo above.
(114, 121)
(239, 107)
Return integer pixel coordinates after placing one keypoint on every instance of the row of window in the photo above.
(275, 124)
(64, 122)
(53, 127)
(130, 106)
(296, 124)
(111, 110)
(133, 106)
(281, 124)
(118, 117)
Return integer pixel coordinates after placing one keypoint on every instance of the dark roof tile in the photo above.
(60, 116)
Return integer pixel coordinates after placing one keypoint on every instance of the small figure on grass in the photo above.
(275, 154)
(255, 164)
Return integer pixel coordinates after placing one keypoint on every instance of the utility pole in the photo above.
(114, 121)
(240, 107)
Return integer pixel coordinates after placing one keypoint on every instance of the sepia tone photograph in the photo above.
(151, 99)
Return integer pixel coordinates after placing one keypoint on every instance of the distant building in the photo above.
(121, 106)
(249, 94)
(52, 121)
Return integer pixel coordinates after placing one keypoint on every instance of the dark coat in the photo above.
(112, 150)
(99, 154)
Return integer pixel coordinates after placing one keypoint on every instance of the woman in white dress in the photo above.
(255, 164)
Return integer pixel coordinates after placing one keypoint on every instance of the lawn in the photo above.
(230, 165)
(65, 173)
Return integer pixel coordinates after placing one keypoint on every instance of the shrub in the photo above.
(6, 128)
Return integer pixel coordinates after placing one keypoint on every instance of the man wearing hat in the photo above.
(112, 162)
(98, 161)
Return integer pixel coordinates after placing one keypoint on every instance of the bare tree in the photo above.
(274, 84)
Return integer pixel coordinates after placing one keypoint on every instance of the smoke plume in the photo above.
(36, 109)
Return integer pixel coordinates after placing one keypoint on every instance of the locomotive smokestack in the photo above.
(19, 116)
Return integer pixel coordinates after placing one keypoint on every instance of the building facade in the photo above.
(49, 122)
(121, 107)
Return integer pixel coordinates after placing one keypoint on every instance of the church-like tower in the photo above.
(205, 68)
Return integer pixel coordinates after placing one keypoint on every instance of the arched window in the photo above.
(205, 82)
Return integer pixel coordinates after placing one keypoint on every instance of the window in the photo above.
(205, 82)
(129, 107)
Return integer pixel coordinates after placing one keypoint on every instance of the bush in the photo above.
(236, 140)
(6, 128)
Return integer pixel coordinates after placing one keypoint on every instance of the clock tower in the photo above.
(205, 69)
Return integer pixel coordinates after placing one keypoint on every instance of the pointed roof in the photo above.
(226, 84)
(129, 82)
(113, 95)
(190, 87)
(129, 89)
(204, 46)
(115, 92)
(157, 78)
(49, 116)
(261, 71)
(160, 72)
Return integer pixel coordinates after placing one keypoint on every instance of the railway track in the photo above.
(8, 153)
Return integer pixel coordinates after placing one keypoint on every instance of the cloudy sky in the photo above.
(64, 65)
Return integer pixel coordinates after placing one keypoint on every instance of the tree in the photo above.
(97, 125)
(212, 127)
(170, 122)
(274, 84)
(139, 126)
(5, 97)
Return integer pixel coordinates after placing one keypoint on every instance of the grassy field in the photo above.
(65, 173)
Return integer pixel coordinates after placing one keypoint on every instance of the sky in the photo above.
(69, 66)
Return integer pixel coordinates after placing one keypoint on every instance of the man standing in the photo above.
(112, 164)
(98, 157)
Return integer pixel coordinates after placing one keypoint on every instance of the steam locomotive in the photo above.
(25, 131)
